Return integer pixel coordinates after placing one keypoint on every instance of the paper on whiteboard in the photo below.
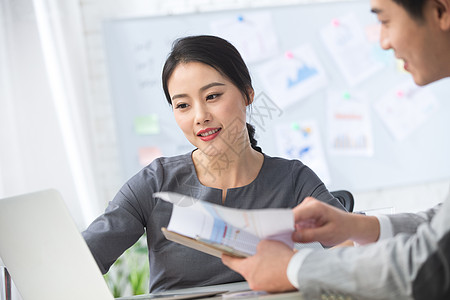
(345, 40)
(301, 140)
(293, 76)
(349, 124)
(252, 34)
(405, 108)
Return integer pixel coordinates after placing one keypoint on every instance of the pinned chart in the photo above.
(347, 44)
(252, 34)
(302, 141)
(292, 76)
(349, 125)
(405, 108)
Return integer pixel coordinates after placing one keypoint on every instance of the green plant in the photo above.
(129, 275)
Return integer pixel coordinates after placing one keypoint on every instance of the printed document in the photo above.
(232, 228)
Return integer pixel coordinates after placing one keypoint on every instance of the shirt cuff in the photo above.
(386, 230)
(295, 264)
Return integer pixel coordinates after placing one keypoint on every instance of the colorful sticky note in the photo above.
(144, 125)
(148, 154)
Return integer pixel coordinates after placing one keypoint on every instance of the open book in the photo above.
(216, 229)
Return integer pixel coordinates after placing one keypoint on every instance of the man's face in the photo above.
(417, 42)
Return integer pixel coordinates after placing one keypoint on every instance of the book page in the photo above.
(236, 228)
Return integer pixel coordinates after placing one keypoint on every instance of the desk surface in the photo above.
(238, 290)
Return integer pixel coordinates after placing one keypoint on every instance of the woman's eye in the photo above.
(212, 96)
(181, 106)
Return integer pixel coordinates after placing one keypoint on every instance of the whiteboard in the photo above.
(136, 50)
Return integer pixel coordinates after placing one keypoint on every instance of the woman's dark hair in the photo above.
(217, 53)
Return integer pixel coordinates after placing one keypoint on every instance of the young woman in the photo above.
(209, 88)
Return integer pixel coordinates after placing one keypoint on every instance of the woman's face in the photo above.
(209, 108)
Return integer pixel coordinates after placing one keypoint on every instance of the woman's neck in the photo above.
(228, 170)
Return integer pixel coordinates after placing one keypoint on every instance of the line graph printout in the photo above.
(237, 228)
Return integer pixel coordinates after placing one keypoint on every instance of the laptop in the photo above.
(46, 255)
(44, 251)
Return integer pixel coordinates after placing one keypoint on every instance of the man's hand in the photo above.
(266, 270)
(318, 221)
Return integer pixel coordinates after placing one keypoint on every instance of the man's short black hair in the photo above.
(413, 7)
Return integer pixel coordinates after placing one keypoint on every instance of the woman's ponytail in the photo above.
(251, 135)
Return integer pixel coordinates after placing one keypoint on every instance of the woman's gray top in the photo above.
(281, 183)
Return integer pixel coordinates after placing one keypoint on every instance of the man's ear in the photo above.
(442, 8)
(251, 95)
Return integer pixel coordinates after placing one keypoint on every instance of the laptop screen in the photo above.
(45, 254)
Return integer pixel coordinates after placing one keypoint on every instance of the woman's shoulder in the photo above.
(165, 161)
(169, 162)
(280, 162)
(162, 167)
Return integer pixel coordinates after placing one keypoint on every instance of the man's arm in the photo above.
(404, 267)
(408, 222)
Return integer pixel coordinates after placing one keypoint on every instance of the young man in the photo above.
(411, 256)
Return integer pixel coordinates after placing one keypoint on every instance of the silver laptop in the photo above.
(44, 252)
(48, 258)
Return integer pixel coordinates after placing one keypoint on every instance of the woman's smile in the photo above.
(208, 133)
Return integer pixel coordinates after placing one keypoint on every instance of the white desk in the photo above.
(224, 288)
